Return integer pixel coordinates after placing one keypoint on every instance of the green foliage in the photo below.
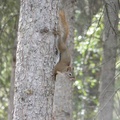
(8, 28)
(88, 63)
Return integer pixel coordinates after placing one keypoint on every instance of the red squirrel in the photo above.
(64, 64)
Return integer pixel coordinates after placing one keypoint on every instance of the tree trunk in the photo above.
(11, 106)
(62, 102)
(109, 60)
(34, 84)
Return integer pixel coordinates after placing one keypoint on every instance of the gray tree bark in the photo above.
(34, 84)
(62, 102)
(109, 60)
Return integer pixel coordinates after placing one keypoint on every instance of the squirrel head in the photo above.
(70, 72)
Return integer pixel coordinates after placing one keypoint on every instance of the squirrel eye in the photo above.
(70, 74)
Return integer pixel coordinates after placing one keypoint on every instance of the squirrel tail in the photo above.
(64, 25)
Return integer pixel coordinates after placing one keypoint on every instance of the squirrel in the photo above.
(64, 64)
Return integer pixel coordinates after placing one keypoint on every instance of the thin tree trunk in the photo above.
(62, 101)
(11, 106)
(109, 60)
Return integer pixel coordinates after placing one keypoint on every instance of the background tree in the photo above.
(88, 44)
(12, 80)
(8, 22)
(109, 59)
(89, 25)
(85, 11)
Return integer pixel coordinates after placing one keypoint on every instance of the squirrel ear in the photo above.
(69, 68)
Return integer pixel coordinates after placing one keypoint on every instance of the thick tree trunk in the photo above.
(34, 85)
(109, 60)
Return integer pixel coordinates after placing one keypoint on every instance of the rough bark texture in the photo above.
(109, 59)
(62, 102)
(34, 84)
